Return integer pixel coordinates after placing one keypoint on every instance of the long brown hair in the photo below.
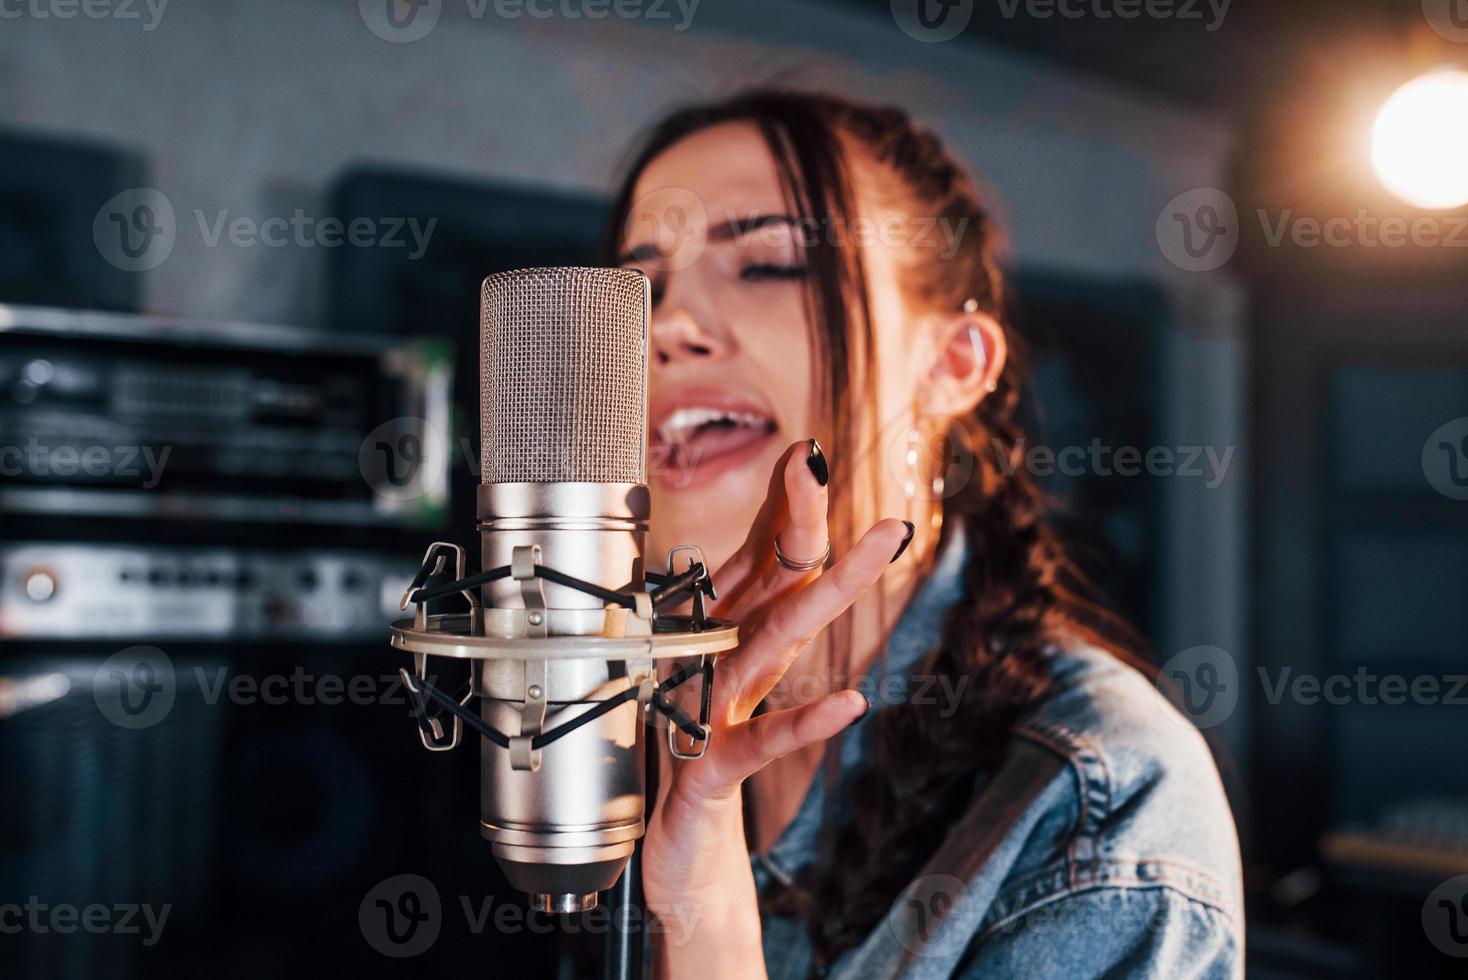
(1023, 593)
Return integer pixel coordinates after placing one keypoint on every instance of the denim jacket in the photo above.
(1103, 846)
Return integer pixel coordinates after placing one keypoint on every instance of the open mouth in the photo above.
(693, 443)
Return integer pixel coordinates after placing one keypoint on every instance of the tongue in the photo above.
(717, 440)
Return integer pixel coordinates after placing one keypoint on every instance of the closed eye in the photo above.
(772, 272)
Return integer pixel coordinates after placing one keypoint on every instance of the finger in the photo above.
(803, 532)
(745, 749)
(763, 657)
(756, 553)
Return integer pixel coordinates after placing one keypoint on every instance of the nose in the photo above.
(677, 335)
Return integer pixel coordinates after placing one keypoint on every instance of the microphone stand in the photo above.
(623, 952)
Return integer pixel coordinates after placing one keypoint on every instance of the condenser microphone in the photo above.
(563, 633)
(563, 431)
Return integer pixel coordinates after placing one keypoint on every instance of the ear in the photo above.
(967, 359)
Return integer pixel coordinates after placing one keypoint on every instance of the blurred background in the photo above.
(240, 244)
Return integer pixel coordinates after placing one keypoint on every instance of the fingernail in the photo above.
(907, 540)
(816, 460)
(864, 711)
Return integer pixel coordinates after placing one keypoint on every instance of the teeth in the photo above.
(682, 423)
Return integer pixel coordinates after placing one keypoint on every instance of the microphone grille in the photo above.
(563, 376)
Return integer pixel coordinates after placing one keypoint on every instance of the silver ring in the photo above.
(801, 566)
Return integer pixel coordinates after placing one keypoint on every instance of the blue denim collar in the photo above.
(918, 631)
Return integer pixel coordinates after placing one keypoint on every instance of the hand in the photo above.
(695, 861)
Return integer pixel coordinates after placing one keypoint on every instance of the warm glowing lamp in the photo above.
(1419, 145)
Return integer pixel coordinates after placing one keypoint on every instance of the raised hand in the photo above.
(695, 858)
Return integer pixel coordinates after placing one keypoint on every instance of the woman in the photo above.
(1012, 797)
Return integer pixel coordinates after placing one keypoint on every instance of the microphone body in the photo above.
(563, 375)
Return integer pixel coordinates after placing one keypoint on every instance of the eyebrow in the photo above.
(728, 231)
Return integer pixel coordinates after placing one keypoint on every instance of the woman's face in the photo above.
(732, 361)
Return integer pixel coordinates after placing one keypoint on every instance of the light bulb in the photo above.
(1419, 144)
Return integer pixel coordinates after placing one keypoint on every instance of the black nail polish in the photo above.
(864, 711)
(907, 540)
(816, 460)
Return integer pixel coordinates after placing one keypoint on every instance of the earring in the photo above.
(970, 305)
(916, 482)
